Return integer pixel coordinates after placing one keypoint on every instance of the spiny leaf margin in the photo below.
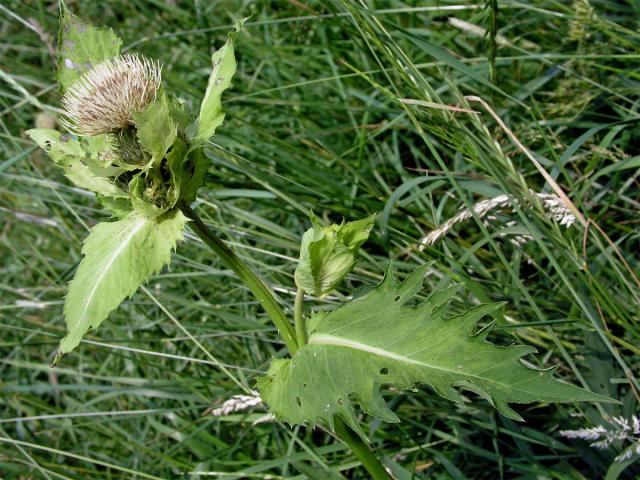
(118, 257)
(224, 67)
(378, 340)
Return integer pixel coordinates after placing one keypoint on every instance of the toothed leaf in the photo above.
(378, 340)
(80, 160)
(223, 68)
(118, 258)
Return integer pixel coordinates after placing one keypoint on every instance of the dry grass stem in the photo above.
(555, 208)
(237, 403)
(623, 431)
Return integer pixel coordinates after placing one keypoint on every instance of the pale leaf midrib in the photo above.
(107, 266)
(324, 339)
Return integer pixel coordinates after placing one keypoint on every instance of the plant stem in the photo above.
(361, 451)
(298, 318)
(263, 293)
(279, 319)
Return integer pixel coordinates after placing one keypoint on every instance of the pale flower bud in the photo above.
(328, 254)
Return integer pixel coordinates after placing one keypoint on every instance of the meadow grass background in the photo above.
(315, 121)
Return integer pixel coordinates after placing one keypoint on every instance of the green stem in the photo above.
(361, 451)
(271, 306)
(298, 318)
(263, 293)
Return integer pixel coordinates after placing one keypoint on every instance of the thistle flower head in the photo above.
(105, 98)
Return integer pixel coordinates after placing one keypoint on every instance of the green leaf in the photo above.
(327, 254)
(156, 129)
(80, 161)
(118, 258)
(56, 144)
(82, 46)
(378, 340)
(223, 68)
(85, 177)
(179, 167)
(118, 207)
(179, 112)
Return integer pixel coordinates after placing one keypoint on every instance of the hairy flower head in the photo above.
(105, 98)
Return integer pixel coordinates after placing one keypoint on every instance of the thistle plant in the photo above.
(139, 149)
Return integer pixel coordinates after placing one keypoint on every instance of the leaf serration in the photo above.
(378, 339)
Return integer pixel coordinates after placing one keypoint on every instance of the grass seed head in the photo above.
(105, 98)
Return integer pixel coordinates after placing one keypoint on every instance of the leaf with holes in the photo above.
(223, 68)
(378, 340)
(118, 258)
(82, 46)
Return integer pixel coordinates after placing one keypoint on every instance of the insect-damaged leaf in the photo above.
(81, 46)
(223, 68)
(377, 340)
(118, 258)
